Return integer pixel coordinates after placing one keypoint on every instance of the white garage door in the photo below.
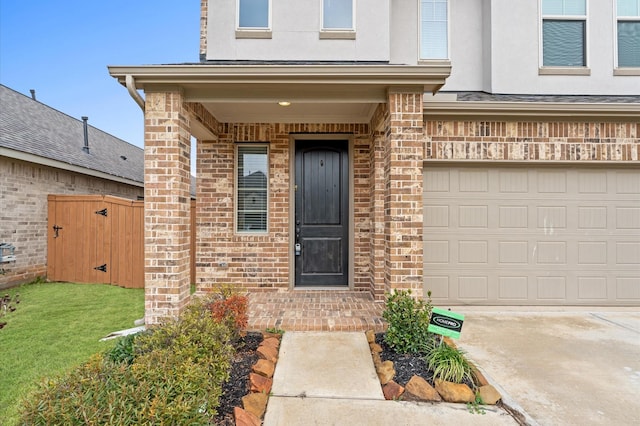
(532, 236)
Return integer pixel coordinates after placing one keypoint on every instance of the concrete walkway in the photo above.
(328, 378)
(564, 367)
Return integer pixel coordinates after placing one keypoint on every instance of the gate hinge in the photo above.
(102, 212)
(102, 268)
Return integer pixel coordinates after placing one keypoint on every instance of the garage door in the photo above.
(532, 236)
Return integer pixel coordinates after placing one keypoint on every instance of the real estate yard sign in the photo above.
(446, 323)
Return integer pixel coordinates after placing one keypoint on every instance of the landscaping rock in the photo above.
(418, 389)
(392, 391)
(375, 348)
(371, 336)
(454, 392)
(376, 360)
(271, 341)
(258, 383)
(245, 418)
(479, 377)
(267, 352)
(267, 335)
(264, 368)
(386, 372)
(255, 403)
(489, 395)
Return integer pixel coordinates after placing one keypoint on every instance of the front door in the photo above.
(321, 216)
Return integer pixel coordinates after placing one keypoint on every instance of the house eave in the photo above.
(533, 110)
(36, 159)
(201, 82)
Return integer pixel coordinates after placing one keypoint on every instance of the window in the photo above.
(564, 29)
(434, 39)
(252, 188)
(254, 14)
(337, 15)
(628, 13)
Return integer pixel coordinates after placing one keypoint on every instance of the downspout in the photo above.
(131, 87)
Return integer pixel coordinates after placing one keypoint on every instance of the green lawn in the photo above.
(55, 327)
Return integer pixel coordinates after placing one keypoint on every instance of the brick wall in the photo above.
(204, 5)
(403, 164)
(23, 211)
(530, 140)
(167, 205)
(261, 262)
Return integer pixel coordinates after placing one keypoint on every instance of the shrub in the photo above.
(123, 350)
(408, 320)
(230, 308)
(175, 377)
(449, 364)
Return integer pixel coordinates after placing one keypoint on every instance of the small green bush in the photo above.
(449, 364)
(175, 377)
(123, 350)
(408, 320)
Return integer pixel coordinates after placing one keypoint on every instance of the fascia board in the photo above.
(284, 74)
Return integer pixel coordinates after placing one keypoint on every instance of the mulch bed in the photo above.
(237, 385)
(406, 365)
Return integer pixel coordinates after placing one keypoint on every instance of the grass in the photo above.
(57, 326)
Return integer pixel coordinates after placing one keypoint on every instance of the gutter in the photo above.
(133, 91)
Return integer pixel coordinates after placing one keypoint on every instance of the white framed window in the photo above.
(252, 188)
(338, 15)
(628, 33)
(564, 33)
(253, 14)
(434, 29)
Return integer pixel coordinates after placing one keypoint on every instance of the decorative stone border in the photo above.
(418, 389)
(254, 404)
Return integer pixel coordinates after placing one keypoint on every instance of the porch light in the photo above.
(284, 103)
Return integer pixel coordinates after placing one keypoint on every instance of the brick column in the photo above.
(403, 157)
(166, 205)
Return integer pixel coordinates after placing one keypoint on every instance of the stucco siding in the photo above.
(295, 34)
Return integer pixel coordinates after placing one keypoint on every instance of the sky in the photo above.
(61, 49)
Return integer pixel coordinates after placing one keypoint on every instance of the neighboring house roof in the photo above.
(33, 131)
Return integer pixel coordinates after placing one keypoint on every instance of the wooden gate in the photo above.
(99, 239)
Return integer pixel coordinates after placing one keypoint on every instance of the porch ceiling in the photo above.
(318, 93)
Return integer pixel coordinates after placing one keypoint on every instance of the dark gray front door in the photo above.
(321, 219)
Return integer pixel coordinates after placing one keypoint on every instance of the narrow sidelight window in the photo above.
(434, 31)
(564, 29)
(253, 14)
(252, 188)
(337, 15)
(628, 28)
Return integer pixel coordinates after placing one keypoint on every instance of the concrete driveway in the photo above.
(563, 367)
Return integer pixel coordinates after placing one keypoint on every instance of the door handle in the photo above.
(298, 249)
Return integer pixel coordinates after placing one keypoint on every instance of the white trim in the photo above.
(426, 60)
(617, 70)
(338, 30)
(237, 145)
(257, 29)
(542, 17)
(36, 159)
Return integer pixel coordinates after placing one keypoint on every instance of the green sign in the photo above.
(446, 323)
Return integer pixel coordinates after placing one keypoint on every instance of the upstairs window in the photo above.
(254, 14)
(252, 188)
(337, 15)
(564, 29)
(434, 31)
(628, 13)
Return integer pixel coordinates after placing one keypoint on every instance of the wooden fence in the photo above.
(99, 239)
